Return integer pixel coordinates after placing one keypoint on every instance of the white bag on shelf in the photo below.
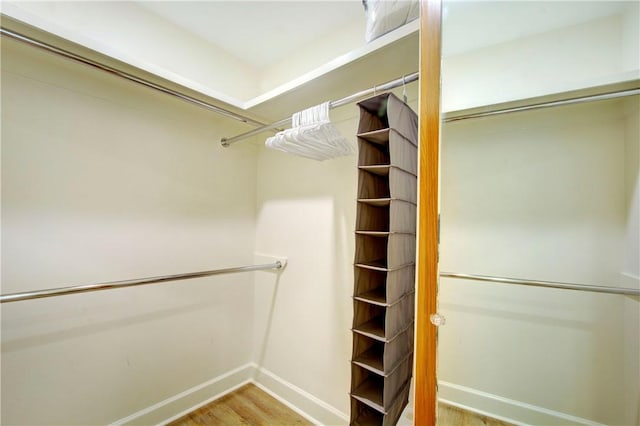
(383, 16)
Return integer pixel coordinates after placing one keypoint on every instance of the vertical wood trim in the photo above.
(427, 267)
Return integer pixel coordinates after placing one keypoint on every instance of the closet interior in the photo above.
(106, 179)
(539, 192)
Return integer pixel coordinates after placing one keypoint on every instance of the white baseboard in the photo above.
(509, 410)
(191, 399)
(300, 401)
(307, 405)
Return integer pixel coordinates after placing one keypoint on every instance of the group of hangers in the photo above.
(313, 136)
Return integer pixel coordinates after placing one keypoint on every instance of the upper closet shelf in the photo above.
(604, 92)
(163, 39)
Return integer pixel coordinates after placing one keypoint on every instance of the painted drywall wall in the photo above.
(339, 42)
(540, 195)
(105, 180)
(144, 40)
(589, 54)
(631, 265)
(306, 211)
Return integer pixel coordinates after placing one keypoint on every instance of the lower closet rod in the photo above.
(38, 294)
(409, 78)
(549, 284)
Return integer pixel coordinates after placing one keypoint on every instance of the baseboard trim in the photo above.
(510, 410)
(191, 399)
(308, 406)
(299, 400)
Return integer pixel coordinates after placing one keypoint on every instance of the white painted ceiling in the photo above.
(262, 33)
(259, 32)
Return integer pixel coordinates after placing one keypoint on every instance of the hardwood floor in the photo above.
(248, 405)
(453, 416)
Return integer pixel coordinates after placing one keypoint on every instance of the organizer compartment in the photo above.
(382, 357)
(383, 323)
(377, 391)
(389, 252)
(394, 216)
(387, 111)
(387, 147)
(365, 415)
(372, 153)
(397, 184)
(383, 287)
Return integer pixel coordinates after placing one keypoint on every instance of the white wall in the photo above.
(130, 33)
(339, 42)
(593, 53)
(631, 266)
(306, 211)
(106, 180)
(539, 195)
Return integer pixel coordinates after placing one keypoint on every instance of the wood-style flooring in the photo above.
(250, 405)
(453, 416)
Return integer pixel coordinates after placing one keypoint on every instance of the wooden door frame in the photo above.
(425, 407)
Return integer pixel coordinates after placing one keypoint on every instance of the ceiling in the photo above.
(262, 33)
(259, 32)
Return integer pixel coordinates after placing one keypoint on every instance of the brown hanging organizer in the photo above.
(383, 306)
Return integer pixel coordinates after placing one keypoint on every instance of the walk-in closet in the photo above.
(320, 212)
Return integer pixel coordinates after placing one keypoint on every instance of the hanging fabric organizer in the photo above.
(383, 318)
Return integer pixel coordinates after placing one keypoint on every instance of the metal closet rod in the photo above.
(548, 104)
(409, 78)
(39, 294)
(86, 61)
(415, 76)
(548, 284)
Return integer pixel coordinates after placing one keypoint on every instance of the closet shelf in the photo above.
(626, 83)
(383, 234)
(383, 170)
(375, 233)
(382, 202)
(369, 392)
(373, 328)
(372, 360)
(380, 170)
(376, 329)
(380, 136)
(367, 418)
(381, 266)
(376, 296)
